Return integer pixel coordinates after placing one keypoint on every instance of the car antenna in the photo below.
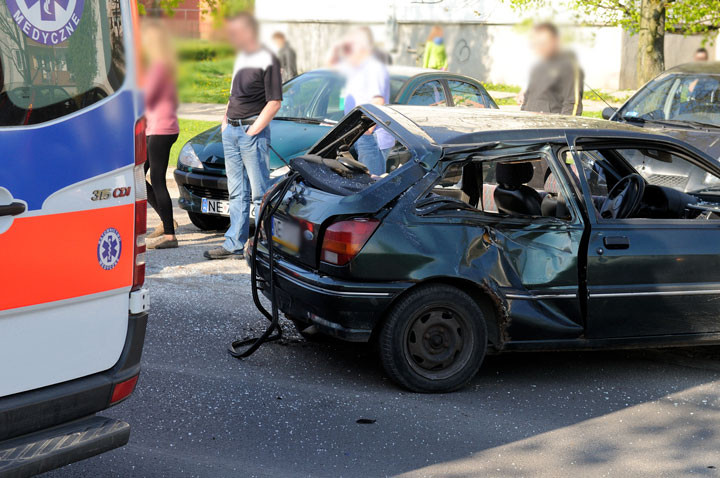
(599, 96)
(278, 155)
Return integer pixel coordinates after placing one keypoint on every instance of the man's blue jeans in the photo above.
(248, 177)
(368, 153)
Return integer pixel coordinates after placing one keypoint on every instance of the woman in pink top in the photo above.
(161, 104)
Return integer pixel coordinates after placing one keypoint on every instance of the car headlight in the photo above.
(279, 172)
(187, 157)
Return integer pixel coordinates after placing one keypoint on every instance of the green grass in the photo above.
(198, 50)
(188, 129)
(501, 87)
(590, 95)
(592, 114)
(206, 81)
(587, 95)
(505, 101)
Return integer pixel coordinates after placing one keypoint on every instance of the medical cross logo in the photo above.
(47, 21)
(109, 247)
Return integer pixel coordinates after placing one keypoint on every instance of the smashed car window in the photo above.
(667, 189)
(517, 188)
(360, 154)
(662, 168)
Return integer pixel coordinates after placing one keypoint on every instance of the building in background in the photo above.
(485, 39)
(189, 20)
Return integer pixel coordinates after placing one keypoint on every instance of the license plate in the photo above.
(286, 234)
(215, 206)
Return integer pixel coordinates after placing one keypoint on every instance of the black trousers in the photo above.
(158, 148)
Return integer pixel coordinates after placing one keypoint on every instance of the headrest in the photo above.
(514, 174)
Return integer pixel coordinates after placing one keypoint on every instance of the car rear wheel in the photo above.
(433, 340)
(207, 222)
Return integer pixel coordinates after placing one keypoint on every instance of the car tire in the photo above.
(452, 346)
(207, 222)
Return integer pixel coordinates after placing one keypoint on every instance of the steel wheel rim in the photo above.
(438, 342)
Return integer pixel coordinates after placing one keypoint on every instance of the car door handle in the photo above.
(616, 242)
(12, 209)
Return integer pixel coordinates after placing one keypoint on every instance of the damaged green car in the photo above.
(496, 232)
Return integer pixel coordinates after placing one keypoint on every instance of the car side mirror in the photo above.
(608, 112)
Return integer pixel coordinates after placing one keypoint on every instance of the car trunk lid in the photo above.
(320, 197)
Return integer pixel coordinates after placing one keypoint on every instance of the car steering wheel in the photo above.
(624, 198)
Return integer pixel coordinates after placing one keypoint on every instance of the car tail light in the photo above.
(123, 390)
(343, 240)
(140, 205)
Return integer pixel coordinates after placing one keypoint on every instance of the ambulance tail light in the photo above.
(140, 205)
(123, 390)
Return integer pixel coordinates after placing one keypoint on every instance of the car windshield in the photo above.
(683, 98)
(317, 96)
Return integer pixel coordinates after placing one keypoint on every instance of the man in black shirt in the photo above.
(255, 98)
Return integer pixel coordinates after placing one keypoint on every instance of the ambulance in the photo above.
(73, 308)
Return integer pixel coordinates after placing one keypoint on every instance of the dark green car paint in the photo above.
(543, 279)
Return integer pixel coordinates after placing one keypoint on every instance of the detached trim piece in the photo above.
(540, 296)
(654, 293)
(604, 295)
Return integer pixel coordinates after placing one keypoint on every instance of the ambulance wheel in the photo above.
(207, 222)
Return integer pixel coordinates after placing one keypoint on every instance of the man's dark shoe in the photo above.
(222, 253)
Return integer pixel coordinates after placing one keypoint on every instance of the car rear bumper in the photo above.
(194, 186)
(343, 309)
(29, 419)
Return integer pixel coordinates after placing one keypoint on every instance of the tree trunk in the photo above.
(651, 41)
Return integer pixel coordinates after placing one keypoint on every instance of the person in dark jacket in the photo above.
(286, 56)
(556, 81)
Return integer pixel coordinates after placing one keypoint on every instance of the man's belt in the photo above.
(241, 122)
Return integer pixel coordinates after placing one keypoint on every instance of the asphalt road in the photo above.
(292, 408)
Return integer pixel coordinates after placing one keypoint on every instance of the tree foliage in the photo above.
(649, 19)
(217, 8)
(687, 17)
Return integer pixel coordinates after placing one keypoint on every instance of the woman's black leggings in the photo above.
(158, 147)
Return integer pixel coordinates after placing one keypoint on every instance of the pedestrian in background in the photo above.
(286, 56)
(435, 56)
(556, 81)
(161, 103)
(367, 82)
(380, 54)
(255, 98)
(701, 54)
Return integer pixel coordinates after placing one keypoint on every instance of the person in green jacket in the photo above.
(435, 56)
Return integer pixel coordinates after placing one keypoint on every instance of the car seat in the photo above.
(512, 195)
